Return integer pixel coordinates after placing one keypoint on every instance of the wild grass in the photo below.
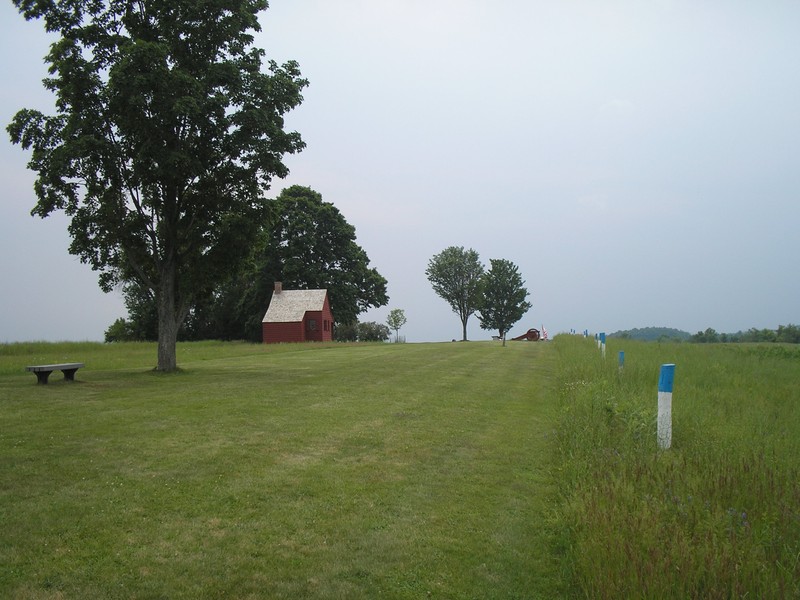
(296, 471)
(715, 516)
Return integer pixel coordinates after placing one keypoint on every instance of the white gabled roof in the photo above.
(289, 306)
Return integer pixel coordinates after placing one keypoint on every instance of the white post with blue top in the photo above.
(603, 344)
(665, 380)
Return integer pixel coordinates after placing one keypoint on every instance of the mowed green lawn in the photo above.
(298, 471)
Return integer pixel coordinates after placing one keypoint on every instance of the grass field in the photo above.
(400, 471)
(363, 471)
(717, 515)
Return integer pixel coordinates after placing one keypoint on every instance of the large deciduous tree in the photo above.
(455, 275)
(306, 243)
(503, 300)
(167, 132)
(311, 245)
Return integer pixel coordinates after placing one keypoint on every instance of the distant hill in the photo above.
(653, 334)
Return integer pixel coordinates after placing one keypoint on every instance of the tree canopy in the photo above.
(455, 275)
(303, 242)
(309, 244)
(503, 297)
(167, 132)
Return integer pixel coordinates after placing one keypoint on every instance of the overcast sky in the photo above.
(639, 161)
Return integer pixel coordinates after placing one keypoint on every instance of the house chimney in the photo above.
(278, 287)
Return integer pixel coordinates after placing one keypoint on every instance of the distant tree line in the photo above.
(787, 334)
(653, 334)
(367, 331)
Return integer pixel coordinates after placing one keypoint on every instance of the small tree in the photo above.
(504, 297)
(395, 320)
(168, 129)
(455, 275)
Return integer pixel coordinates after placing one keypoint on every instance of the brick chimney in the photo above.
(278, 287)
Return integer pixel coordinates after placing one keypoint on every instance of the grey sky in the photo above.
(638, 161)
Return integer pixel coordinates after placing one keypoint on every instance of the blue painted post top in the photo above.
(665, 378)
(621, 357)
(602, 338)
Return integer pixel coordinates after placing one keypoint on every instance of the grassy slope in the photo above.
(295, 471)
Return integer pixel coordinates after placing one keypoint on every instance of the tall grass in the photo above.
(717, 515)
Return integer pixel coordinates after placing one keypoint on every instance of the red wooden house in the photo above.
(297, 316)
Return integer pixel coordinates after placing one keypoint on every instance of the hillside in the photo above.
(653, 334)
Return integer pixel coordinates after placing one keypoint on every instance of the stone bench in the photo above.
(43, 371)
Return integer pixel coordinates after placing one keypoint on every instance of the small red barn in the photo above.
(297, 316)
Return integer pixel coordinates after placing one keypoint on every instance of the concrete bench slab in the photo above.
(43, 371)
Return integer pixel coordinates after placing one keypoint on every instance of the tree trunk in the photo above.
(169, 320)
(464, 329)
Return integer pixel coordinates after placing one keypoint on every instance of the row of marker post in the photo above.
(665, 381)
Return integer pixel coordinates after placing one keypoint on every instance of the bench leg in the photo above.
(41, 376)
(69, 374)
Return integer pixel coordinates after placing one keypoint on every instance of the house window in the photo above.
(325, 325)
(312, 324)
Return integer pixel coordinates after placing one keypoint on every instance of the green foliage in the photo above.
(278, 471)
(709, 336)
(142, 322)
(652, 334)
(395, 320)
(306, 244)
(166, 134)
(370, 331)
(503, 297)
(346, 332)
(455, 275)
(120, 331)
(787, 334)
(713, 517)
